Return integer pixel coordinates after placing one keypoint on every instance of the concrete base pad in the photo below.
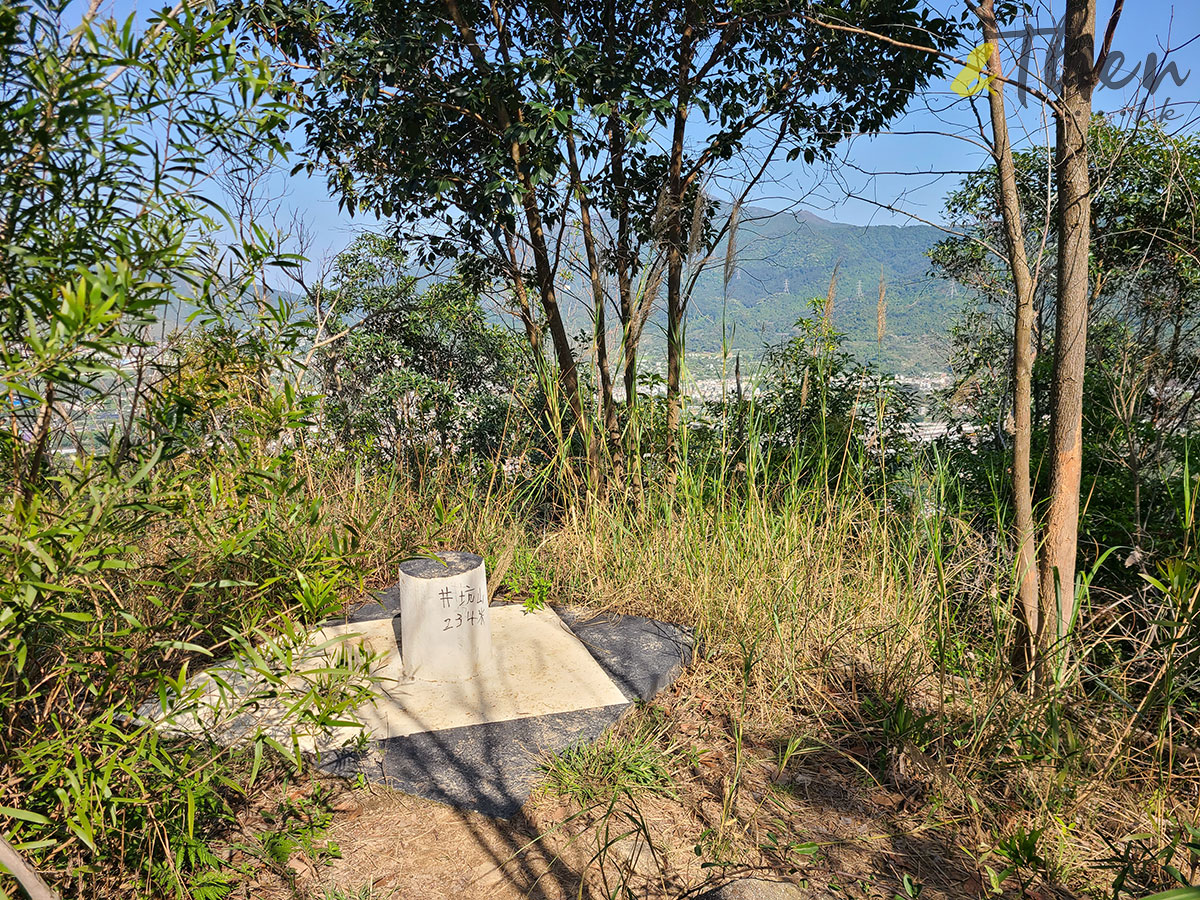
(555, 679)
(538, 667)
(492, 767)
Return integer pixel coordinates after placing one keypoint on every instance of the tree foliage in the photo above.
(415, 109)
(417, 370)
(490, 129)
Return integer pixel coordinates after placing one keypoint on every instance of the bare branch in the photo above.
(31, 882)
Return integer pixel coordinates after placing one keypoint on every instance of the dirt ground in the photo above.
(824, 823)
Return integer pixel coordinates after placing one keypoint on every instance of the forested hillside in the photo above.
(784, 260)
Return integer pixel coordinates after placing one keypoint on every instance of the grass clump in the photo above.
(366, 892)
(629, 761)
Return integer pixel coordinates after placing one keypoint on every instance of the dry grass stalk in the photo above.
(731, 245)
(649, 294)
(831, 295)
(881, 309)
(696, 231)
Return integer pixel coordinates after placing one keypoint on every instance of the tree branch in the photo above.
(1108, 39)
(904, 45)
(31, 882)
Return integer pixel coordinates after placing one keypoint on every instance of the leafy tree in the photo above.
(481, 127)
(1142, 360)
(416, 370)
(97, 234)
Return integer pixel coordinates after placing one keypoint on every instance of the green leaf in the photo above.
(24, 815)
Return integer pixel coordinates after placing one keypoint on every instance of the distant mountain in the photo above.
(785, 260)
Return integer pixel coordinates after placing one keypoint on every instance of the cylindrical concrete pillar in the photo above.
(445, 626)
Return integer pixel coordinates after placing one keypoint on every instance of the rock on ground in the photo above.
(755, 889)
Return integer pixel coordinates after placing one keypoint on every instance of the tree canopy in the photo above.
(493, 128)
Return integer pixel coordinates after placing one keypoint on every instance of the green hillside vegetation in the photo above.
(784, 260)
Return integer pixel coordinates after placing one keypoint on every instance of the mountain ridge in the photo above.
(784, 262)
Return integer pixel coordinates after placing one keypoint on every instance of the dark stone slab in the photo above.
(642, 656)
(493, 768)
(490, 768)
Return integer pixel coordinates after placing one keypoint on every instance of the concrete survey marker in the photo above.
(445, 623)
(464, 696)
(555, 679)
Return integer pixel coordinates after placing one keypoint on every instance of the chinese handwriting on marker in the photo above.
(469, 598)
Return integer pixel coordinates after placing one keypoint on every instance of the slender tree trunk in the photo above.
(533, 329)
(41, 437)
(544, 272)
(1025, 533)
(567, 371)
(1071, 321)
(674, 362)
(631, 332)
(623, 263)
(675, 258)
(608, 407)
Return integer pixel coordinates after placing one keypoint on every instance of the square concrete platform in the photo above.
(538, 668)
(490, 763)
(556, 678)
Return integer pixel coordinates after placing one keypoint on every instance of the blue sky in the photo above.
(939, 133)
(914, 165)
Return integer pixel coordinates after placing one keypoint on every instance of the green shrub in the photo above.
(179, 530)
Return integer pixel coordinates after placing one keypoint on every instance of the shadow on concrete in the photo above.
(492, 768)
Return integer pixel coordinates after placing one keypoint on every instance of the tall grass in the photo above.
(842, 589)
(818, 570)
(810, 571)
